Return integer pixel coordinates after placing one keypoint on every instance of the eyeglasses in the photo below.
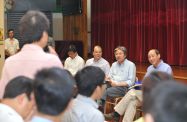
(104, 82)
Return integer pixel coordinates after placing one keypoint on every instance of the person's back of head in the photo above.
(88, 79)
(53, 90)
(19, 95)
(168, 103)
(151, 81)
(17, 86)
(33, 25)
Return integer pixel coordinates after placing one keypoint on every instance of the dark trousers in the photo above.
(118, 91)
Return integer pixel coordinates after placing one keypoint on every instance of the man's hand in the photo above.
(114, 83)
(107, 79)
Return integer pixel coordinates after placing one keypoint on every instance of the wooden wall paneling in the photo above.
(75, 27)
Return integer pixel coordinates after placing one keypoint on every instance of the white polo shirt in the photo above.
(11, 45)
(73, 65)
(7, 114)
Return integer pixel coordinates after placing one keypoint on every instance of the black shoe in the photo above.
(109, 117)
(116, 119)
(112, 116)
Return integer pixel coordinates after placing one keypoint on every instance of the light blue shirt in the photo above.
(125, 72)
(83, 109)
(161, 67)
(40, 119)
(101, 63)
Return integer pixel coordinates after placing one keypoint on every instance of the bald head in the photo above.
(97, 52)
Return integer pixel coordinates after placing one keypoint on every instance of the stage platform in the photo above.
(179, 73)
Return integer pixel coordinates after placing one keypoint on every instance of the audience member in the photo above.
(98, 61)
(33, 27)
(53, 91)
(128, 104)
(167, 102)
(74, 62)
(18, 100)
(121, 76)
(11, 44)
(90, 88)
(149, 83)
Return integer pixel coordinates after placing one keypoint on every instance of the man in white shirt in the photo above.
(11, 44)
(18, 100)
(74, 62)
(98, 61)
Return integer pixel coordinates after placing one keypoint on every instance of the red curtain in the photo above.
(141, 25)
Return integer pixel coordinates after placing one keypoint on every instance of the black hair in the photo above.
(53, 90)
(88, 79)
(169, 102)
(151, 81)
(72, 48)
(18, 86)
(10, 30)
(32, 25)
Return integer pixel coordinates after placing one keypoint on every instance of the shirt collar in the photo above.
(161, 62)
(87, 100)
(97, 60)
(123, 63)
(40, 119)
(31, 47)
(11, 39)
(10, 110)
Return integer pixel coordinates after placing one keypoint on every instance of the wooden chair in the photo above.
(110, 104)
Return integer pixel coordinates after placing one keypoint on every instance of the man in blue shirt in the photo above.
(121, 76)
(157, 63)
(133, 98)
(90, 88)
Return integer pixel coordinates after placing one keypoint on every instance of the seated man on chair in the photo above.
(98, 61)
(127, 106)
(74, 62)
(121, 76)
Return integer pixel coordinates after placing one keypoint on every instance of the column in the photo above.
(1, 35)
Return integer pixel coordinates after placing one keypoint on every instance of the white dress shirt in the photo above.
(101, 63)
(73, 65)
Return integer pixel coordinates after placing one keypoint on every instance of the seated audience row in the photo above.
(51, 90)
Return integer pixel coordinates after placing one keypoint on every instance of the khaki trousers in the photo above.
(128, 104)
